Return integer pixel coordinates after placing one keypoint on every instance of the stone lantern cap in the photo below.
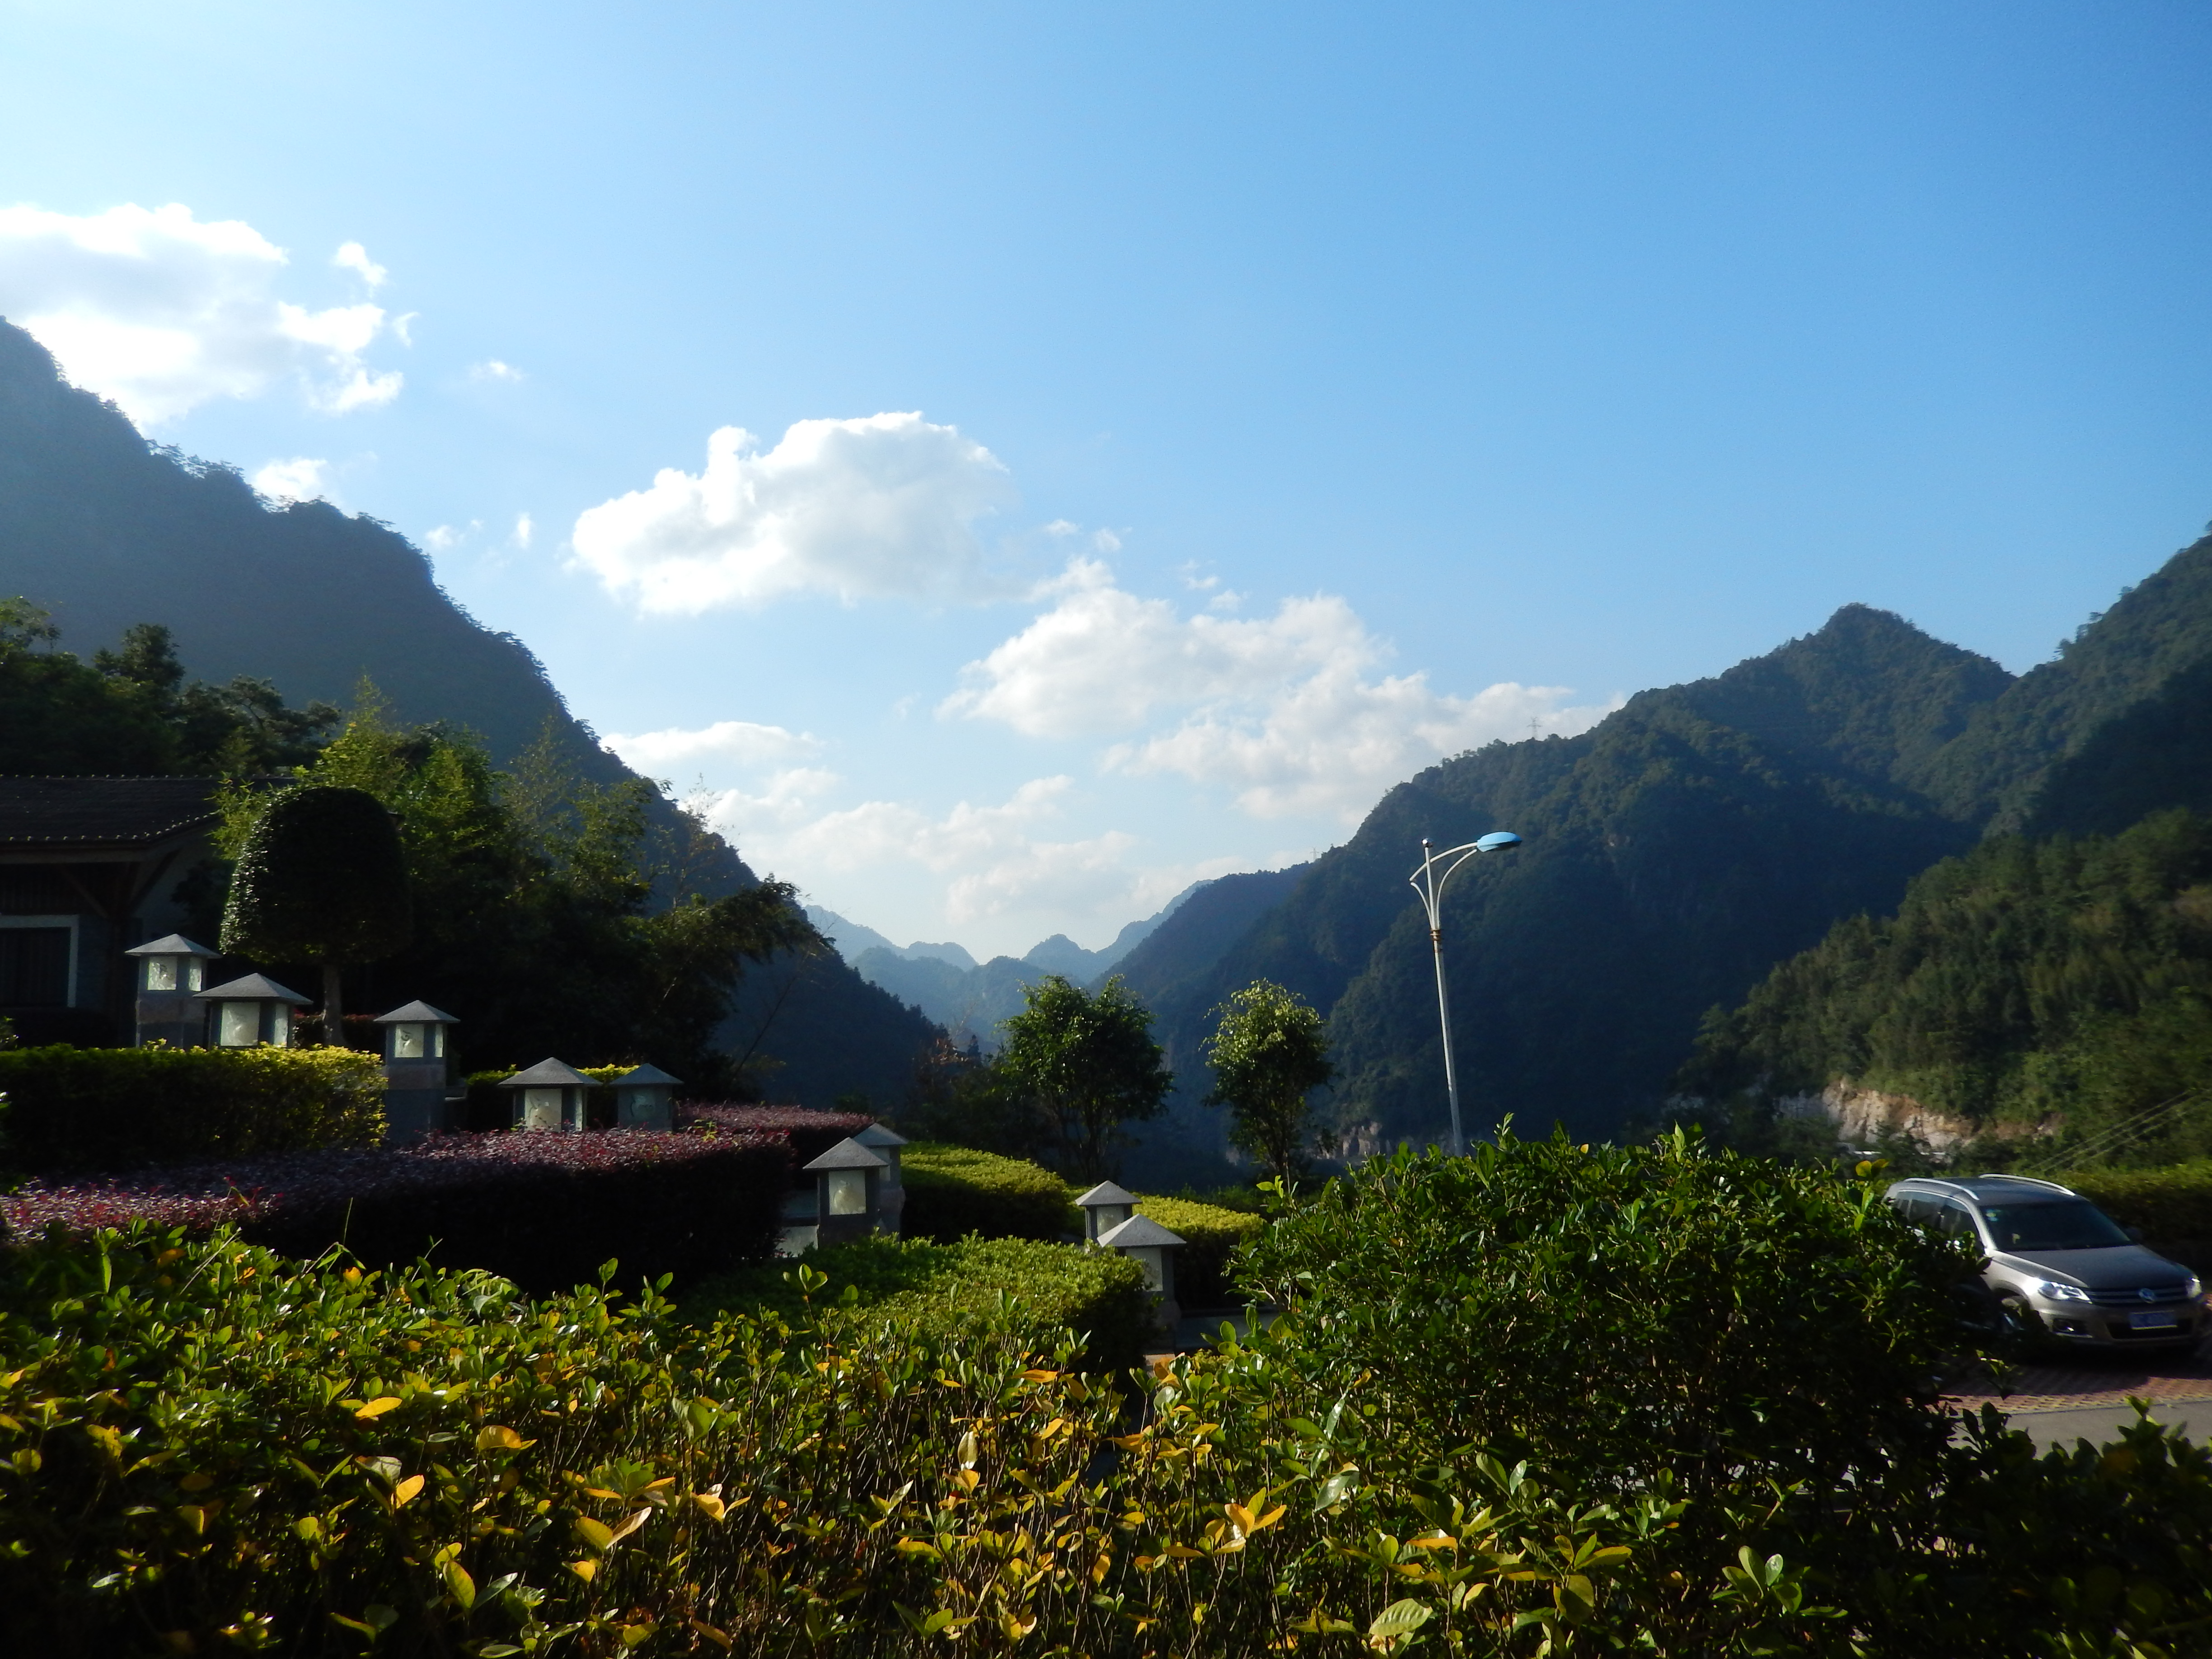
(1106, 1192)
(416, 1013)
(848, 1154)
(254, 988)
(876, 1135)
(644, 1075)
(1137, 1232)
(549, 1074)
(175, 945)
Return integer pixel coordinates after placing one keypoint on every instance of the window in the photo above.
(407, 1042)
(541, 1108)
(161, 972)
(848, 1191)
(38, 962)
(2070, 1223)
(238, 1024)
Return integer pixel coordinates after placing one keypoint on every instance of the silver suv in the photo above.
(2058, 1264)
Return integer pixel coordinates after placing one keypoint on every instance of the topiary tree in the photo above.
(321, 878)
(1269, 1052)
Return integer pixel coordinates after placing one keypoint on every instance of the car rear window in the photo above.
(2069, 1223)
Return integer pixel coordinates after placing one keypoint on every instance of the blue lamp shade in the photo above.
(1496, 839)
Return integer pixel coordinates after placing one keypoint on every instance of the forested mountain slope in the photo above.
(1691, 842)
(103, 532)
(2027, 982)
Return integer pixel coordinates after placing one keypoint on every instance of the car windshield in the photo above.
(2072, 1224)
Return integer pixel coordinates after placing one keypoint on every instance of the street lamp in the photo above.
(1429, 882)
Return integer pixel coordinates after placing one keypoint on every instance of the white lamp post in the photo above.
(1429, 882)
(645, 1098)
(550, 1096)
(1152, 1248)
(414, 1071)
(244, 1013)
(849, 1179)
(1104, 1207)
(890, 1192)
(171, 973)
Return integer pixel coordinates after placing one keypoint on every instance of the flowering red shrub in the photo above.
(543, 1210)
(810, 1133)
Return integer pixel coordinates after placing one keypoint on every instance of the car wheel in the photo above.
(2018, 1320)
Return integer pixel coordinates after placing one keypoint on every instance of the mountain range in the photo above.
(103, 530)
(1673, 855)
(971, 998)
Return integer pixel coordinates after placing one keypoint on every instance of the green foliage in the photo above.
(321, 878)
(1269, 1052)
(1211, 1238)
(954, 1191)
(1085, 1064)
(205, 1447)
(113, 1108)
(537, 919)
(1687, 1319)
(133, 711)
(2024, 981)
(1031, 1291)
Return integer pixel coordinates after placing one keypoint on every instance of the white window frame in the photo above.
(69, 991)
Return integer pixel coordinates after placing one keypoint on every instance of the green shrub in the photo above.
(204, 1448)
(2172, 1206)
(72, 1109)
(954, 1191)
(1210, 1236)
(937, 1291)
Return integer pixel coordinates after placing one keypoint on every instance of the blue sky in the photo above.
(1168, 426)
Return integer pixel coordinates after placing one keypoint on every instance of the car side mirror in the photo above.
(2135, 1233)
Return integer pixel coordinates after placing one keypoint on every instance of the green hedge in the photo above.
(74, 1109)
(2172, 1206)
(954, 1191)
(1210, 1236)
(936, 1292)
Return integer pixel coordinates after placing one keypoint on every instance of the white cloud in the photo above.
(492, 369)
(1282, 709)
(881, 507)
(523, 530)
(738, 742)
(352, 256)
(162, 313)
(299, 479)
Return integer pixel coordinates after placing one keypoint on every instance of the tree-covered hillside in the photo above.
(103, 533)
(2024, 981)
(1691, 842)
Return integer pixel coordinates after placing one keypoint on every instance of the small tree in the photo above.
(1087, 1064)
(1269, 1052)
(321, 878)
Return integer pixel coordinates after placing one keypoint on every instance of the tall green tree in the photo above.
(1268, 1053)
(322, 877)
(1087, 1064)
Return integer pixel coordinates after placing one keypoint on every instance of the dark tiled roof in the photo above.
(120, 812)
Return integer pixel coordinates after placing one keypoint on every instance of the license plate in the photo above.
(2152, 1319)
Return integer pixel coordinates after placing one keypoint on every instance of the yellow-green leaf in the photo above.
(377, 1406)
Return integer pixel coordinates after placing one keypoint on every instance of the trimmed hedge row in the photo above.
(71, 1109)
(1210, 1236)
(954, 1191)
(927, 1292)
(2172, 1206)
(810, 1133)
(545, 1211)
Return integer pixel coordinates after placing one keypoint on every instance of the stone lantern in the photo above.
(548, 1095)
(171, 973)
(847, 1187)
(645, 1098)
(1152, 1247)
(414, 1071)
(1104, 1207)
(891, 1196)
(247, 1012)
